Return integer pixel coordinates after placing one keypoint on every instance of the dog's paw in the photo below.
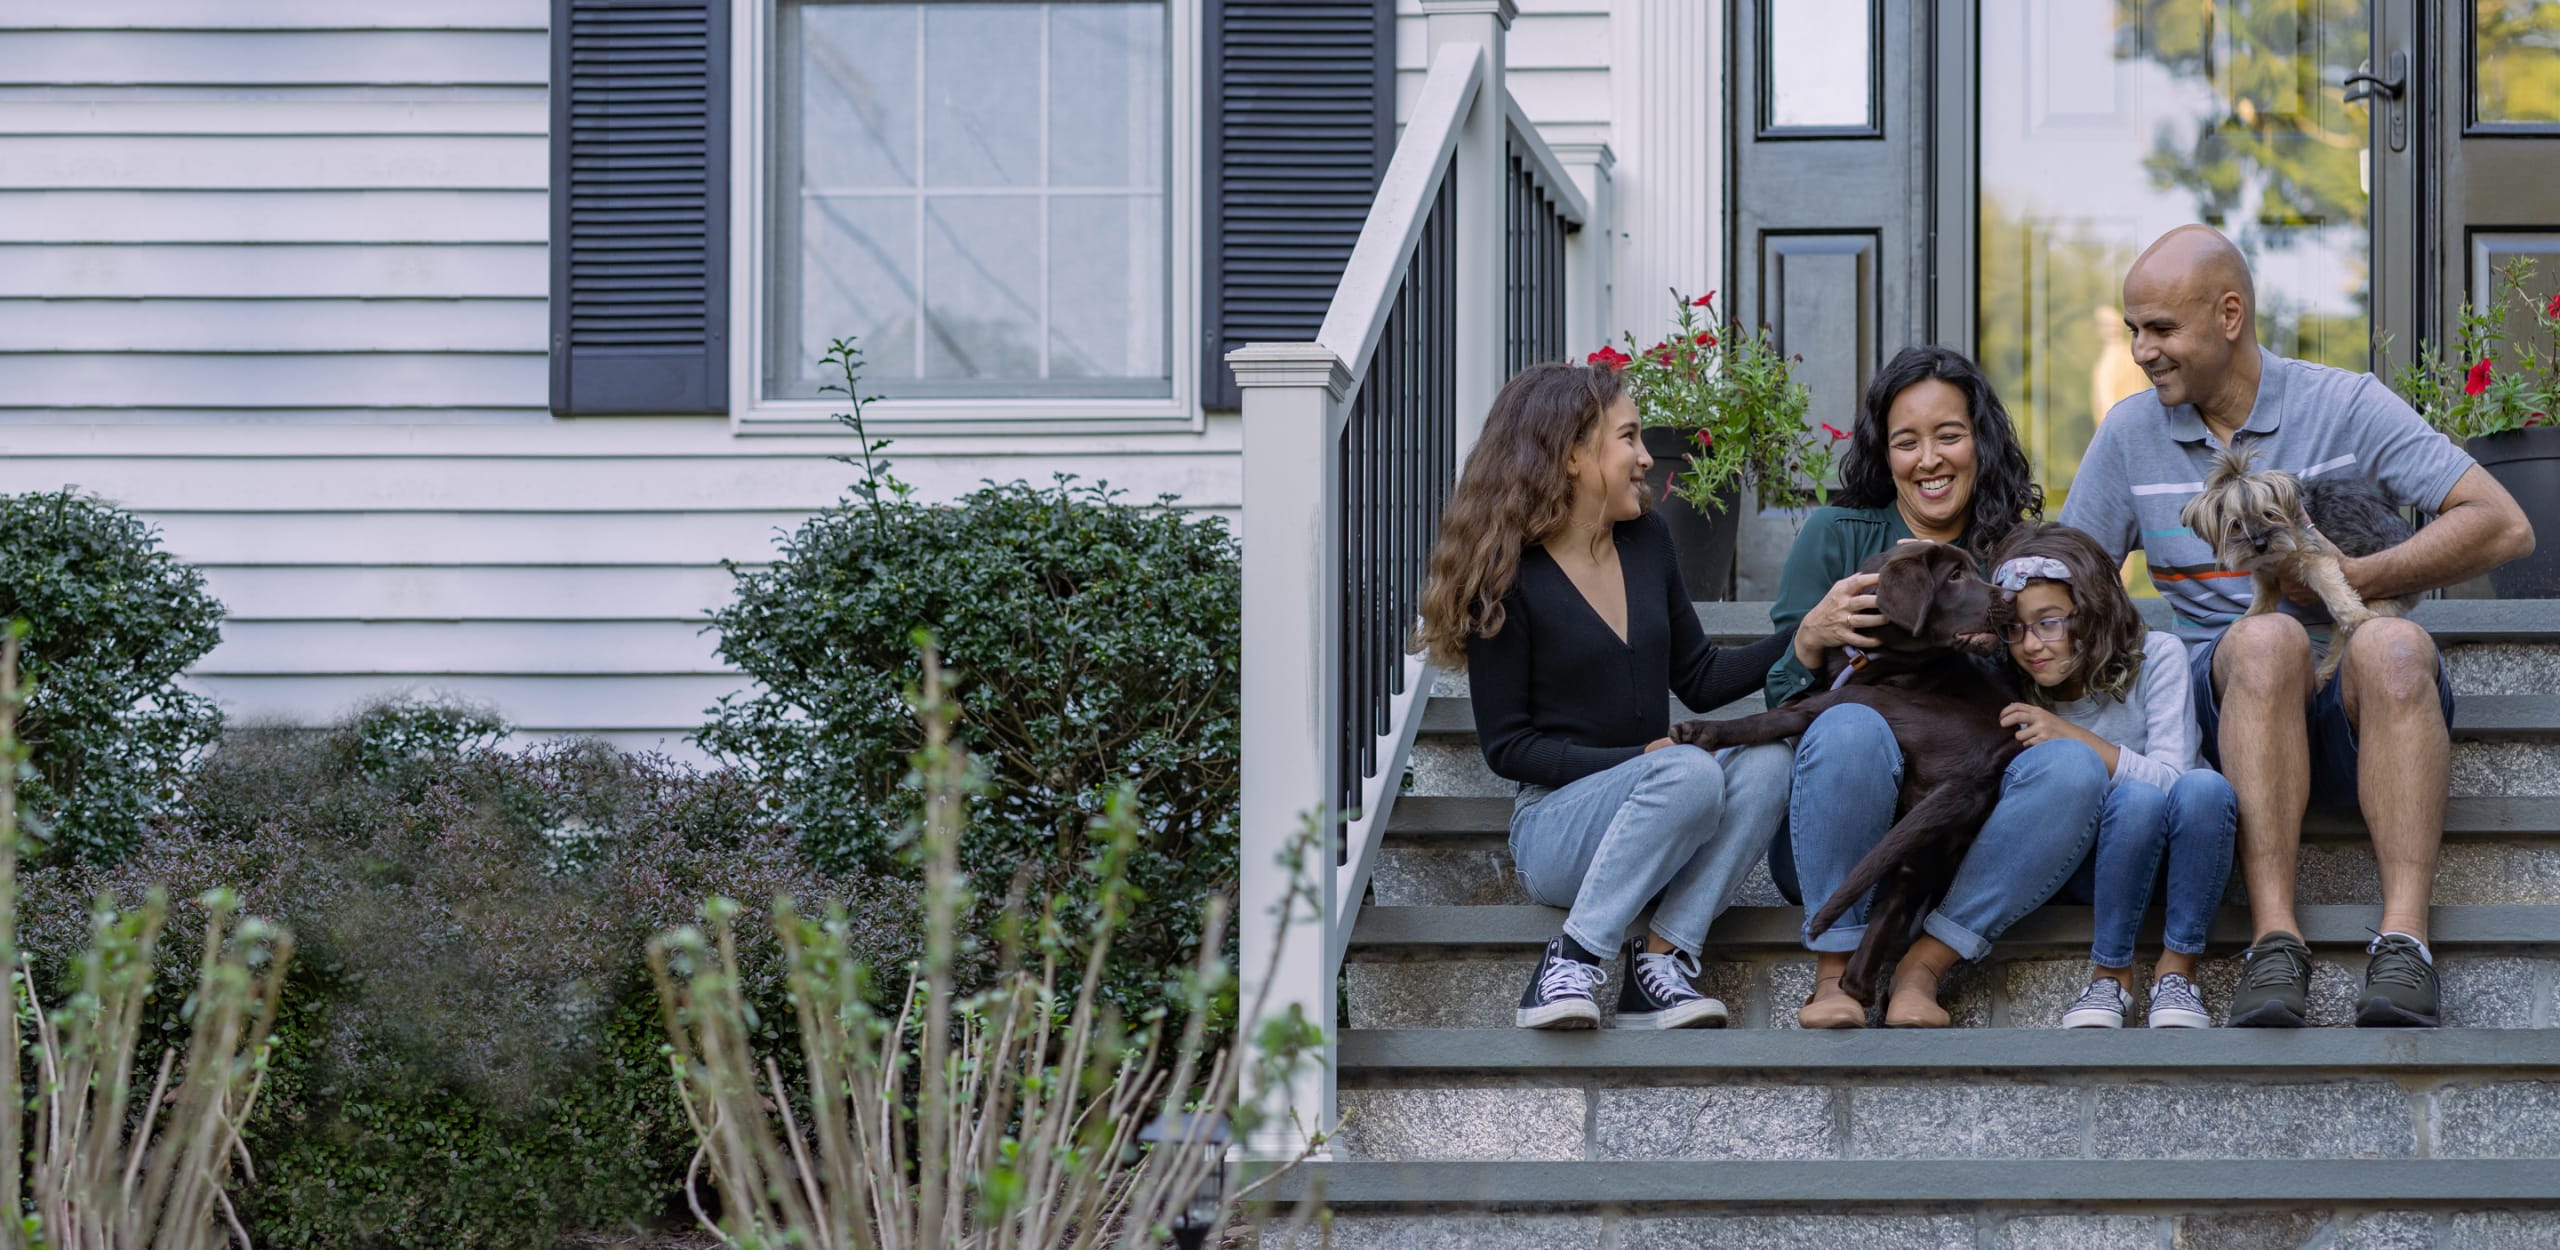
(1697, 733)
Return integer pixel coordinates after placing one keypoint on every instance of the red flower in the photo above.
(1608, 358)
(2477, 380)
(1666, 490)
(1703, 301)
(1661, 353)
(2552, 309)
(1705, 439)
(1706, 338)
(1836, 434)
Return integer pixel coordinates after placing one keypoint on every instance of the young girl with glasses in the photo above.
(2096, 676)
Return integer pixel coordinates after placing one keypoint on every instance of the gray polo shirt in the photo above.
(2147, 461)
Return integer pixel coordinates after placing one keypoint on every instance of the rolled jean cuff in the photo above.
(2174, 945)
(1967, 943)
(1837, 939)
(2099, 957)
(1693, 950)
(1604, 947)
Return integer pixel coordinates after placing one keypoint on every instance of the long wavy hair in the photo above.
(1513, 492)
(2106, 629)
(2003, 493)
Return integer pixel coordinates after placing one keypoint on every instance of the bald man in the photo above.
(2376, 736)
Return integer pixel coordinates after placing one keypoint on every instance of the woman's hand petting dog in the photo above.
(2033, 725)
(1847, 616)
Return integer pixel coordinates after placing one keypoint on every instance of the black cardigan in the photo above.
(1558, 697)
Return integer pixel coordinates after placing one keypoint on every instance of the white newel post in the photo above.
(1589, 252)
(1483, 200)
(1296, 400)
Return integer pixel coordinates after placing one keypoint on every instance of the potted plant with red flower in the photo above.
(2500, 394)
(1720, 404)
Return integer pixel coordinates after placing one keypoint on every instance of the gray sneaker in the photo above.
(2101, 1006)
(2399, 986)
(2275, 984)
(2175, 1004)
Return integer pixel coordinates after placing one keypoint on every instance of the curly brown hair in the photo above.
(2106, 629)
(1512, 493)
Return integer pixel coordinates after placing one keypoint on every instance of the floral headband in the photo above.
(2014, 574)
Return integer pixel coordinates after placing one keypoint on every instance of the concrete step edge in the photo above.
(2476, 717)
(1442, 820)
(1898, 1053)
(1512, 929)
(1901, 1182)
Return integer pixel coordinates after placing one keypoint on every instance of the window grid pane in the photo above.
(972, 238)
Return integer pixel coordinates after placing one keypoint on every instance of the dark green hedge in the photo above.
(112, 620)
(1092, 644)
(469, 1050)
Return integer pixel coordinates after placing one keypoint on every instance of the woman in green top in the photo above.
(1933, 457)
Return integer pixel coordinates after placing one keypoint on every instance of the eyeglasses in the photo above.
(2050, 629)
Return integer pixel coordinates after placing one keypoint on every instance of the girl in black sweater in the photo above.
(1555, 588)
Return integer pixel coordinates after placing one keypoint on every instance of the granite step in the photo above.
(2399, 1205)
(2476, 717)
(1433, 931)
(1549, 1116)
(1437, 821)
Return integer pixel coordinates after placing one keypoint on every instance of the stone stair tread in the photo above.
(1894, 1052)
(1422, 820)
(1580, 1183)
(2476, 717)
(2451, 621)
(1518, 929)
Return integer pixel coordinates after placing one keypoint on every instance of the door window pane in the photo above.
(1819, 62)
(2515, 62)
(2105, 123)
(976, 192)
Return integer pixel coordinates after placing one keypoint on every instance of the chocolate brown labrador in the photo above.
(1942, 699)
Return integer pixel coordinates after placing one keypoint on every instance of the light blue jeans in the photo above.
(1849, 773)
(1677, 824)
(2177, 840)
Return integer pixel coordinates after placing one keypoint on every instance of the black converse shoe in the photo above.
(1559, 995)
(1660, 993)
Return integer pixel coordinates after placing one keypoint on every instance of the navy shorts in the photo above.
(2333, 739)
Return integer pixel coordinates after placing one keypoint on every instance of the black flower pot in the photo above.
(2527, 463)
(1705, 543)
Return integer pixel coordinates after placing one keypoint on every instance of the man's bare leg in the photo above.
(2262, 682)
(2404, 757)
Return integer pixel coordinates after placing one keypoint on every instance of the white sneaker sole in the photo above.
(2179, 1018)
(2093, 1018)
(1569, 1014)
(1703, 1013)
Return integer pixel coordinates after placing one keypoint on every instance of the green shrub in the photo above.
(113, 620)
(1092, 644)
(470, 1053)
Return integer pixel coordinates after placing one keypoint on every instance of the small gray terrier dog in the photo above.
(2270, 525)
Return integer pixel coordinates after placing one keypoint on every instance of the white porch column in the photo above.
(1296, 400)
(1588, 252)
(1483, 202)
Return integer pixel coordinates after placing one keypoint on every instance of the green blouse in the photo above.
(1831, 546)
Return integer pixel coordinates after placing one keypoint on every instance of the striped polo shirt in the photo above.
(2147, 461)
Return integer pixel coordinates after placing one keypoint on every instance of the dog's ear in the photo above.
(1905, 590)
(2198, 515)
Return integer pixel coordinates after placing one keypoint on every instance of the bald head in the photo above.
(2192, 310)
(2192, 265)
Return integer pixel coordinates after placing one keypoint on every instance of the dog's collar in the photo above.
(1857, 660)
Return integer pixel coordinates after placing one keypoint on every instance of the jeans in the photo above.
(1848, 776)
(2179, 839)
(1676, 823)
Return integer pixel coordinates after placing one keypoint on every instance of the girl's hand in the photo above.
(2035, 725)
(1657, 744)
(1843, 618)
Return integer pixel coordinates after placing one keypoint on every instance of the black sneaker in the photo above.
(1559, 995)
(2275, 984)
(2399, 986)
(1660, 992)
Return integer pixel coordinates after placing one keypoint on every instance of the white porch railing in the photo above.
(1476, 257)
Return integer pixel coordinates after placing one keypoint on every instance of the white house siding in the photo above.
(1646, 78)
(272, 275)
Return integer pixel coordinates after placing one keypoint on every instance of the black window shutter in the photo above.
(1300, 121)
(639, 206)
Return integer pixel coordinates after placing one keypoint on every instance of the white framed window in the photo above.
(986, 196)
